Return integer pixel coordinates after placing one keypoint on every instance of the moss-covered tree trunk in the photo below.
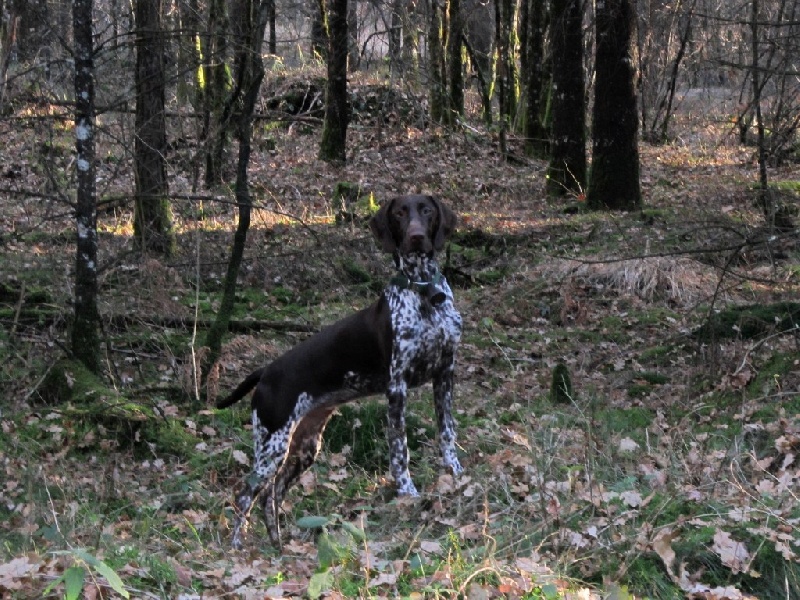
(507, 74)
(533, 75)
(216, 84)
(436, 78)
(85, 337)
(248, 77)
(455, 63)
(337, 115)
(410, 51)
(395, 35)
(614, 183)
(566, 173)
(152, 222)
(188, 53)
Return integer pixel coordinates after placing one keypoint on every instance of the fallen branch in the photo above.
(236, 325)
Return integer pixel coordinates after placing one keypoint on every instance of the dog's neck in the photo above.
(420, 273)
(417, 267)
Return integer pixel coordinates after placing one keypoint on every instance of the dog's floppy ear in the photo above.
(446, 225)
(379, 225)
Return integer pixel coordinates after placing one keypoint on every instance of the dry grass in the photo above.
(679, 280)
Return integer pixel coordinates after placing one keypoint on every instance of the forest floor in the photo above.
(670, 471)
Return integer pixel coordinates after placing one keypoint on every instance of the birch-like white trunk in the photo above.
(85, 339)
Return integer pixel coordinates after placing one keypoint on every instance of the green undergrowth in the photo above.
(751, 321)
(585, 484)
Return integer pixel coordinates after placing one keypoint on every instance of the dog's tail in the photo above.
(242, 389)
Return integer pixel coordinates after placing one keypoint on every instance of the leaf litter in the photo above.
(557, 498)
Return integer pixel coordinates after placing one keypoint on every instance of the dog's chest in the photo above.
(425, 337)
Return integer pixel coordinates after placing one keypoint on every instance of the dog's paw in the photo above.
(407, 488)
(455, 467)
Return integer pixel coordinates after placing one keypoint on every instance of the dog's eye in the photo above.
(426, 210)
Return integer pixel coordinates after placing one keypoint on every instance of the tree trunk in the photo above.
(85, 339)
(272, 44)
(334, 130)
(249, 75)
(395, 35)
(672, 84)
(34, 29)
(614, 181)
(763, 183)
(319, 29)
(410, 50)
(216, 86)
(152, 222)
(354, 52)
(189, 60)
(455, 63)
(436, 80)
(536, 135)
(8, 34)
(507, 77)
(567, 170)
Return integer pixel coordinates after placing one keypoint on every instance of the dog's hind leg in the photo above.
(270, 453)
(304, 447)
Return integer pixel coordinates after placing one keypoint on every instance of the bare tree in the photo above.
(85, 339)
(33, 26)
(334, 130)
(532, 72)
(567, 170)
(436, 62)
(152, 223)
(507, 74)
(663, 42)
(455, 64)
(215, 86)
(249, 73)
(614, 180)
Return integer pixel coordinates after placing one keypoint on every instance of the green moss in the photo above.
(748, 322)
(787, 186)
(492, 276)
(350, 203)
(771, 374)
(169, 437)
(646, 577)
(644, 382)
(655, 354)
(86, 400)
(354, 271)
(561, 385)
(625, 420)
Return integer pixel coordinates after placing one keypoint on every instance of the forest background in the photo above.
(185, 186)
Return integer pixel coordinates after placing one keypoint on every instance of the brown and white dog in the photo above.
(406, 338)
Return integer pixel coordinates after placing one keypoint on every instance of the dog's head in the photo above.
(413, 224)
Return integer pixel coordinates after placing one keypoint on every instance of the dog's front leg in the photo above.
(398, 444)
(443, 401)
